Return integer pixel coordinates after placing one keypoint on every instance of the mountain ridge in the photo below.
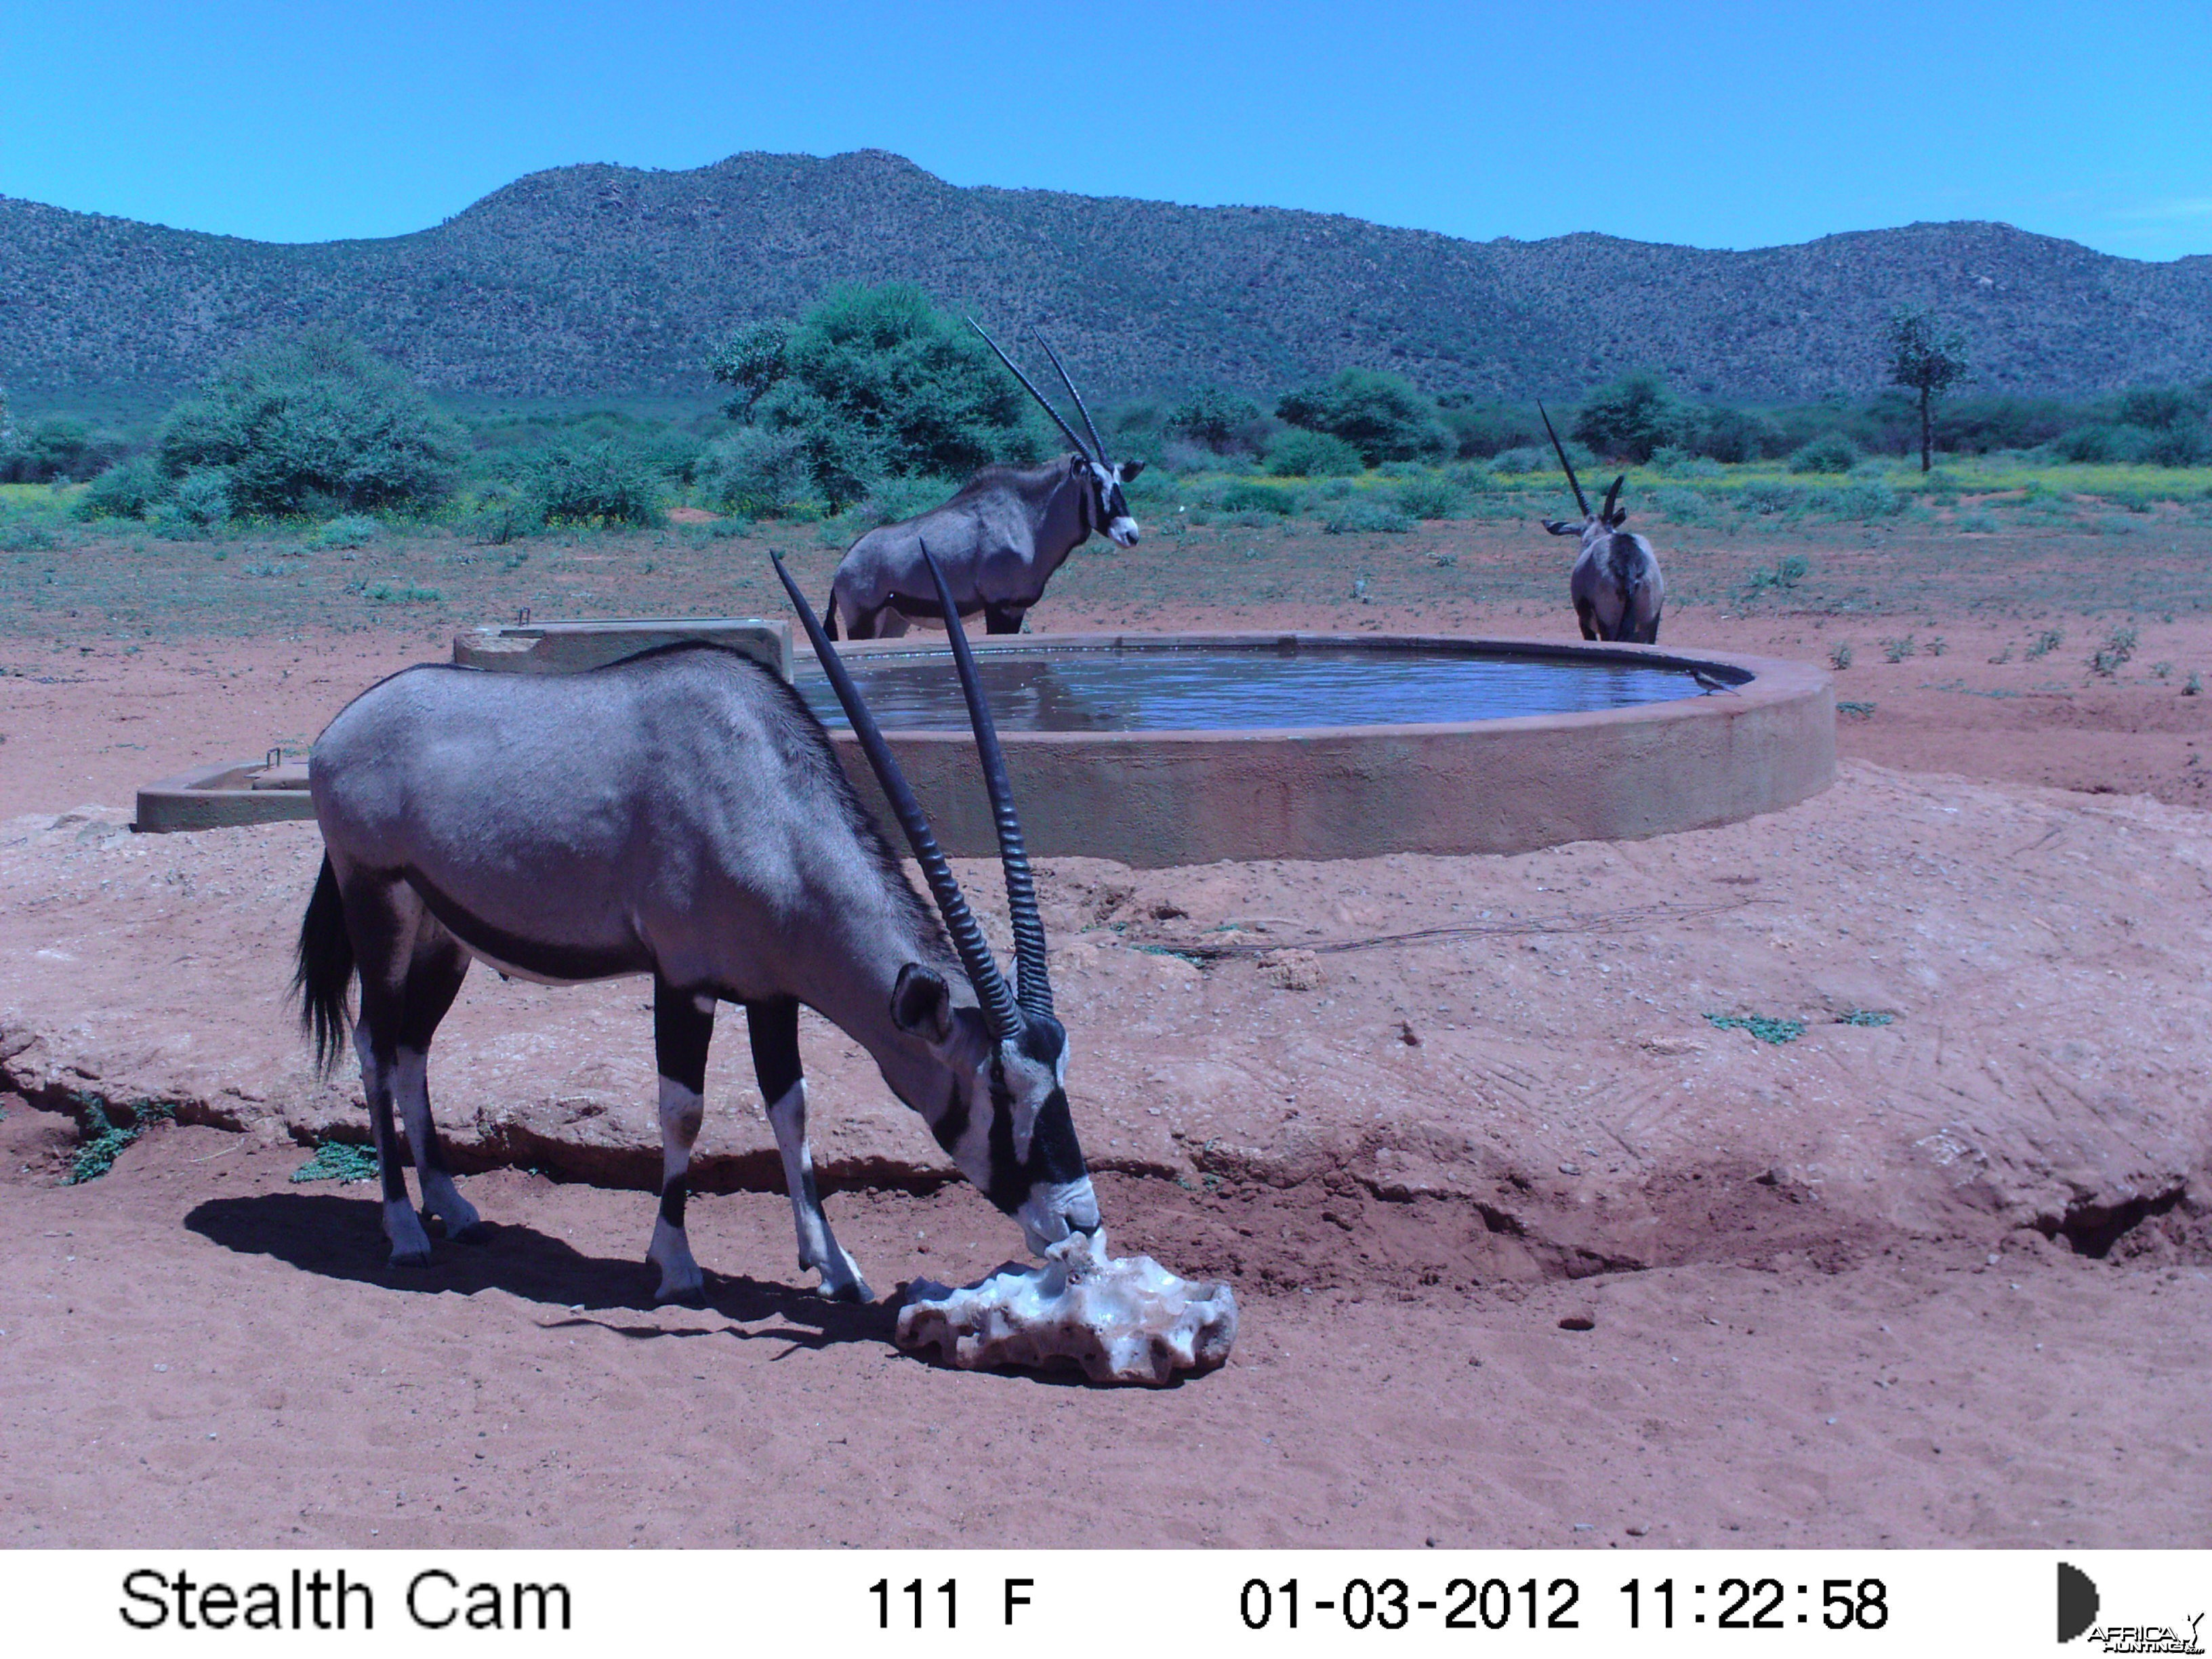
(603, 280)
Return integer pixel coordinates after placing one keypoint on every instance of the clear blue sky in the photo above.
(1721, 124)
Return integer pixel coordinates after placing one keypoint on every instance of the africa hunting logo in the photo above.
(2078, 1607)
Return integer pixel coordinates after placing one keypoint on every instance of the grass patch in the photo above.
(339, 1161)
(1856, 711)
(105, 1140)
(1865, 1016)
(1766, 1028)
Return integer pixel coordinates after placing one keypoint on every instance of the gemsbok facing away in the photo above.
(1001, 538)
(680, 814)
(1615, 583)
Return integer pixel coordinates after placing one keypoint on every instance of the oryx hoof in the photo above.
(411, 1256)
(681, 1295)
(476, 1232)
(852, 1290)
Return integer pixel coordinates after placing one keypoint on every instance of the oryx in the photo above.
(999, 540)
(1615, 584)
(681, 815)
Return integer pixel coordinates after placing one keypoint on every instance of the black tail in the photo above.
(830, 616)
(325, 971)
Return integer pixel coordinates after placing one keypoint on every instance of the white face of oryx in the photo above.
(1112, 509)
(1003, 1119)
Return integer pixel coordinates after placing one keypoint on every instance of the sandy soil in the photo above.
(1986, 1220)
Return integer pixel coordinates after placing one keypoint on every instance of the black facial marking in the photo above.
(952, 1122)
(681, 1034)
(672, 1200)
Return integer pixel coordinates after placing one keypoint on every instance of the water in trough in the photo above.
(1157, 687)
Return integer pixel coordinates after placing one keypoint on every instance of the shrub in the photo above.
(1679, 506)
(1484, 430)
(1249, 496)
(350, 530)
(877, 382)
(1832, 452)
(1384, 416)
(1730, 435)
(505, 515)
(1299, 453)
(1362, 517)
(55, 450)
(129, 489)
(594, 483)
(756, 471)
(1863, 499)
(202, 500)
(1528, 458)
(1765, 498)
(894, 499)
(1428, 498)
(1221, 421)
(1631, 417)
(314, 424)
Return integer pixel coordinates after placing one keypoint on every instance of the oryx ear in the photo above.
(1078, 466)
(1619, 519)
(1562, 527)
(1128, 470)
(921, 1004)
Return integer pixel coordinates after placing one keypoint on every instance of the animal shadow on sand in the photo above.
(343, 1238)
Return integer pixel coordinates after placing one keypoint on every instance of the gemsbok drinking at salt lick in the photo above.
(679, 814)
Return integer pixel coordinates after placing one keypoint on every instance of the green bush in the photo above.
(756, 471)
(1722, 433)
(1222, 421)
(55, 450)
(1384, 416)
(504, 515)
(877, 382)
(1430, 497)
(600, 484)
(1630, 418)
(1362, 517)
(896, 499)
(1249, 496)
(202, 500)
(129, 489)
(314, 424)
(1831, 453)
(1301, 454)
(352, 530)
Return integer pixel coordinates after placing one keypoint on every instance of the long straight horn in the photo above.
(1034, 393)
(1611, 497)
(1032, 983)
(1082, 408)
(1560, 449)
(999, 1012)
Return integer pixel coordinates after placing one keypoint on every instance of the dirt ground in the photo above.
(1936, 1281)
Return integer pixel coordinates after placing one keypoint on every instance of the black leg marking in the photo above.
(681, 1034)
(1001, 619)
(773, 1027)
(672, 1195)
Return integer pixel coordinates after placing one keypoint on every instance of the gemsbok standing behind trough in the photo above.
(1615, 584)
(1001, 538)
(680, 814)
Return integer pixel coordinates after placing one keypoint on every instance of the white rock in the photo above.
(1121, 1318)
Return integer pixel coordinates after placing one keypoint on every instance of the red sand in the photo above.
(195, 1352)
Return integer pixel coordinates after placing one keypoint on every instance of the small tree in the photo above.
(1928, 358)
(751, 361)
(1631, 417)
(314, 424)
(1384, 416)
(877, 382)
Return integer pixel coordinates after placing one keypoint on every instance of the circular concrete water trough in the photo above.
(1156, 750)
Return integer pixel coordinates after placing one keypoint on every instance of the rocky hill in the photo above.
(597, 280)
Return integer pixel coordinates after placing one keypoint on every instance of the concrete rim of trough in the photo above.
(1166, 797)
(1154, 799)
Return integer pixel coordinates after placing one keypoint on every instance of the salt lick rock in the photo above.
(1122, 1319)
